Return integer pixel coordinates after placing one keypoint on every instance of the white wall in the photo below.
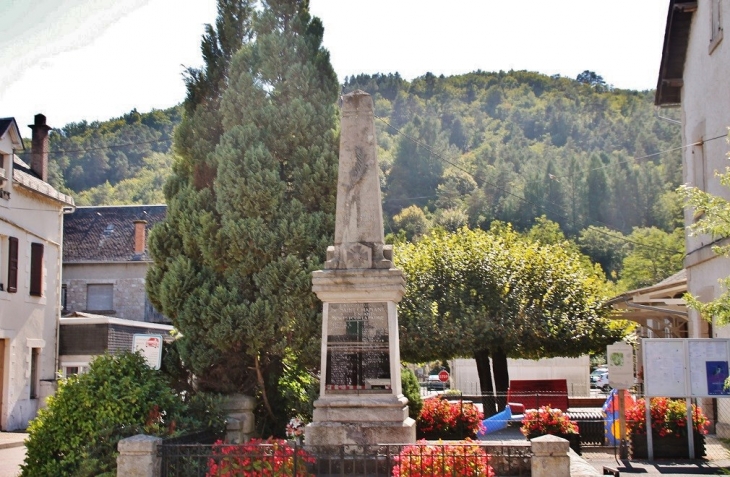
(575, 370)
(26, 321)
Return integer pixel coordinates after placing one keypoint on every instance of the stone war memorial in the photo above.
(361, 401)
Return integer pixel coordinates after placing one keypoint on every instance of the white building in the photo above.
(694, 74)
(31, 230)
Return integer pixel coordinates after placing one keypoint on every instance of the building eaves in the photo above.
(9, 125)
(674, 53)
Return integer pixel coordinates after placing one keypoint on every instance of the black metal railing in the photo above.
(284, 458)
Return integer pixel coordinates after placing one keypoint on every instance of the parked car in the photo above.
(599, 371)
(433, 383)
(600, 381)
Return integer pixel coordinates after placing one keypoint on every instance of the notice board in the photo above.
(685, 367)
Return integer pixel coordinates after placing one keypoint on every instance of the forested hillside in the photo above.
(514, 146)
(463, 150)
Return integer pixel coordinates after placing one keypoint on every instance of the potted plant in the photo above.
(546, 420)
(668, 426)
(448, 420)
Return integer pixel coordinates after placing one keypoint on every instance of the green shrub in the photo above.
(411, 390)
(77, 433)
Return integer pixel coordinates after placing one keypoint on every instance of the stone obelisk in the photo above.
(361, 401)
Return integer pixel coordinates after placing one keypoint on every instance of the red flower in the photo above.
(668, 417)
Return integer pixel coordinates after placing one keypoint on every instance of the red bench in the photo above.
(534, 393)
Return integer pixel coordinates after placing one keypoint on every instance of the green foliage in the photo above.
(77, 433)
(653, 255)
(471, 292)
(411, 390)
(509, 146)
(251, 207)
(713, 213)
(88, 155)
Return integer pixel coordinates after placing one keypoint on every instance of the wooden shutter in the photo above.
(12, 264)
(36, 269)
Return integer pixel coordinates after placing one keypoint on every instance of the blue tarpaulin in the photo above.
(496, 422)
(611, 421)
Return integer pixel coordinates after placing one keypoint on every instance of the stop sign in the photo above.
(444, 376)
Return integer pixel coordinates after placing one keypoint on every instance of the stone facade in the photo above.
(129, 298)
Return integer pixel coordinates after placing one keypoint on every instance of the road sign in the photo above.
(151, 348)
(443, 376)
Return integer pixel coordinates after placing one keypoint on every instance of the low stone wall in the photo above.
(544, 456)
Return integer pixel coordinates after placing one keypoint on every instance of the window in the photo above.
(715, 25)
(35, 354)
(100, 297)
(698, 166)
(36, 269)
(64, 294)
(12, 264)
(74, 368)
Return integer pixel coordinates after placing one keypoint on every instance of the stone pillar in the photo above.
(138, 456)
(239, 418)
(550, 456)
(360, 401)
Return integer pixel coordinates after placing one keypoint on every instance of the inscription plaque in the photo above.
(358, 359)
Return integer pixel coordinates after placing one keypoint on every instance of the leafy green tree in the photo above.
(251, 207)
(653, 255)
(496, 295)
(77, 433)
(606, 247)
(413, 221)
(714, 219)
(591, 78)
(417, 167)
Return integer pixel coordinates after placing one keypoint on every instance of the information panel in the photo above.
(690, 367)
(708, 367)
(665, 367)
(358, 357)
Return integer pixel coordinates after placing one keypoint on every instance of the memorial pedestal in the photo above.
(361, 401)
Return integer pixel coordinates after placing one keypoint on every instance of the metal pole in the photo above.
(623, 449)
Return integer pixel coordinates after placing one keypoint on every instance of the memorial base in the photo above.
(357, 420)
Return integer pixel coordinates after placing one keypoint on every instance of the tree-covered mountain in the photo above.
(461, 150)
(515, 146)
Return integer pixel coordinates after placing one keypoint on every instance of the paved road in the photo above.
(10, 460)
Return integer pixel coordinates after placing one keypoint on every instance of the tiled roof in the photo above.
(106, 233)
(23, 175)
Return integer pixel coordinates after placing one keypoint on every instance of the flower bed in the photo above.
(258, 458)
(668, 417)
(669, 428)
(437, 460)
(448, 420)
(546, 420)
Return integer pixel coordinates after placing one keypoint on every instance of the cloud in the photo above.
(36, 31)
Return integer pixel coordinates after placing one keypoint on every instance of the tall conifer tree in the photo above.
(251, 203)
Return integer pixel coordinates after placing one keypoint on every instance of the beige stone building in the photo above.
(105, 261)
(693, 76)
(31, 227)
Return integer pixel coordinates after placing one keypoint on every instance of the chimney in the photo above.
(39, 147)
(140, 239)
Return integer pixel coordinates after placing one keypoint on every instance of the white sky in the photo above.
(97, 59)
